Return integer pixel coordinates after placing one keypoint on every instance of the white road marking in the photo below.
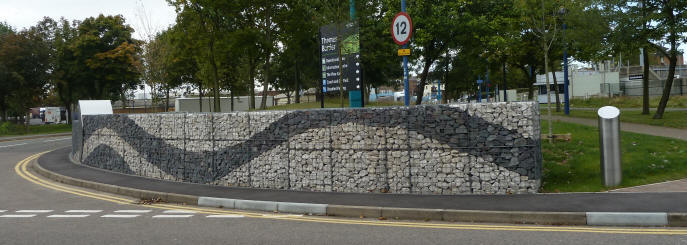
(173, 216)
(34, 211)
(56, 140)
(2, 211)
(176, 211)
(4, 146)
(68, 216)
(83, 211)
(17, 216)
(133, 211)
(225, 216)
(120, 216)
(282, 216)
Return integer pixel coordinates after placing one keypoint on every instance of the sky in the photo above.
(145, 16)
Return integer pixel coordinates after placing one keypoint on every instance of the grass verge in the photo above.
(574, 166)
(12, 129)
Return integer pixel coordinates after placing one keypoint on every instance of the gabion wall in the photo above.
(485, 148)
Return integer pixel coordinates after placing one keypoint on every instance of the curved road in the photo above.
(36, 211)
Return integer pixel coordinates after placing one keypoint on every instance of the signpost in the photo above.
(350, 52)
(401, 31)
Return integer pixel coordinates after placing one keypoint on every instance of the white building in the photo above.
(583, 84)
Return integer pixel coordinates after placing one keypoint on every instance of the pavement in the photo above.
(668, 186)
(674, 133)
(36, 136)
(36, 210)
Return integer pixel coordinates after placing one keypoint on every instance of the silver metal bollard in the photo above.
(609, 141)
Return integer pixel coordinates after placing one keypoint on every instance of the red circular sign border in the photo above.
(410, 34)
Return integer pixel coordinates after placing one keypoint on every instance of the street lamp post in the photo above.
(566, 83)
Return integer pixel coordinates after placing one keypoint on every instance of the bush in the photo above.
(6, 128)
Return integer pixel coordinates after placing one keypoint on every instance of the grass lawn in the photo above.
(675, 101)
(673, 119)
(574, 166)
(11, 129)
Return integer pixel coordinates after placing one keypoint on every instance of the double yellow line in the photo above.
(21, 170)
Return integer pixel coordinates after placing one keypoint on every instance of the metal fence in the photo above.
(679, 87)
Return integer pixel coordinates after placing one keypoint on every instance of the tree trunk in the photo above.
(215, 77)
(69, 113)
(420, 90)
(645, 83)
(548, 94)
(167, 100)
(268, 51)
(200, 96)
(298, 86)
(338, 45)
(251, 77)
(231, 96)
(669, 84)
(555, 86)
(288, 97)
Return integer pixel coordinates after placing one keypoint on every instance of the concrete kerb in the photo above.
(513, 217)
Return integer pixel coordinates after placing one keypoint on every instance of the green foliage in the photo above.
(13, 129)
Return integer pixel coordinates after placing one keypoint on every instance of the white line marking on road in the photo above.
(120, 216)
(225, 216)
(34, 211)
(68, 216)
(4, 146)
(133, 211)
(56, 140)
(2, 211)
(282, 216)
(176, 211)
(83, 211)
(173, 216)
(17, 216)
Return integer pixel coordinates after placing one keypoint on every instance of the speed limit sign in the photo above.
(402, 28)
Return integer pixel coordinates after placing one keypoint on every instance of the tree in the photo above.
(632, 31)
(66, 79)
(25, 57)
(107, 58)
(671, 19)
(5, 85)
(380, 63)
(436, 24)
(540, 18)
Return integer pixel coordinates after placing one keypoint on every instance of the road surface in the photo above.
(36, 211)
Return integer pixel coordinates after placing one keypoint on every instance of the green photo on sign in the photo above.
(351, 44)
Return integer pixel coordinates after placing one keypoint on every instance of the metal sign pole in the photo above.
(479, 86)
(405, 66)
(487, 85)
(565, 74)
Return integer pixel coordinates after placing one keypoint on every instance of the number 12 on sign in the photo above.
(402, 28)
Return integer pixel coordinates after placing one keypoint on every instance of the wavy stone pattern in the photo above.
(443, 149)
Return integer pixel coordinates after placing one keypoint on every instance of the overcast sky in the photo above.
(143, 15)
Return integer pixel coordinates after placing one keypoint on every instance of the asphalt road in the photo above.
(35, 214)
